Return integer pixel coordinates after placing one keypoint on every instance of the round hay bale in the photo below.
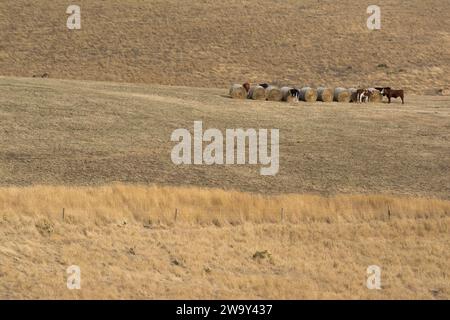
(353, 95)
(376, 96)
(287, 96)
(341, 95)
(237, 91)
(308, 94)
(273, 94)
(445, 92)
(257, 93)
(285, 92)
(324, 94)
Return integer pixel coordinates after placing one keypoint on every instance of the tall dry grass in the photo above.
(156, 204)
(217, 248)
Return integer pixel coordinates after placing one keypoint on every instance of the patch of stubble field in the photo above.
(58, 132)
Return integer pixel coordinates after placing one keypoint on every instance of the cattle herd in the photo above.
(265, 91)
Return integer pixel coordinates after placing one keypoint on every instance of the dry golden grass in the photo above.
(128, 245)
(126, 240)
(156, 204)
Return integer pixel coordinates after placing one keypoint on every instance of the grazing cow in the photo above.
(363, 95)
(389, 93)
(45, 75)
(294, 92)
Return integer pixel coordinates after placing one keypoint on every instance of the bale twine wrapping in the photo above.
(286, 93)
(341, 95)
(308, 94)
(376, 96)
(324, 94)
(353, 95)
(237, 91)
(273, 94)
(257, 93)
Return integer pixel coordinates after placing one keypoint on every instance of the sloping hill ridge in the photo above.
(65, 132)
(212, 43)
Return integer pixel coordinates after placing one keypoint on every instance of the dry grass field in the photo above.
(223, 245)
(211, 43)
(358, 185)
(94, 133)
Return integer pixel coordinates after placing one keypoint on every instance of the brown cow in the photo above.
(246, 86)
(389, 93)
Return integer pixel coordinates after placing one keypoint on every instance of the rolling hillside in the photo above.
(212, 43)
(86, 176)
(92, 133)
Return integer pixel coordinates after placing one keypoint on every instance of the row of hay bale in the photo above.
(291, 94)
